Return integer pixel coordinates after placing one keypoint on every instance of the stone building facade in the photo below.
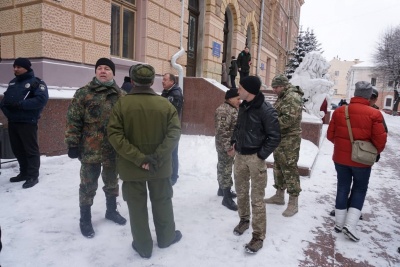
(64, 38)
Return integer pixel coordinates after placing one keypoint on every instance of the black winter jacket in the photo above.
(175, 96)
(257, 129)
(24, 99)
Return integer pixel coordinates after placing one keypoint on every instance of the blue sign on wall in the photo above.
(216, 49)
(262, 67)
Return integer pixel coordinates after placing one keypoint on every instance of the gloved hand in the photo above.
(152, 161)
(73, 152)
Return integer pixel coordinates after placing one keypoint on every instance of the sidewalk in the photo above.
(381, 216)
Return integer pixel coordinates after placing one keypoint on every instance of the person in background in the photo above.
(367, 125)
(127, 85)
(174, 95)
(243, 62)
(342, 102)
(233, 70)
(224, 75)
(255, 137)
(225, 121)
(144, 128)
(22, 104)
(286, 173)
(86, 139)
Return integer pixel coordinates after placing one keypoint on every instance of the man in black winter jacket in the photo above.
(243, 63)
(256, 135)
(174, 94)
(22, 104)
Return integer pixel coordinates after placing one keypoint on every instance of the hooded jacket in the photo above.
(257, 128)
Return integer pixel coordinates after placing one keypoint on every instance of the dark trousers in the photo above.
(24, 144)
(243, 74)
(233, 83)
(175, 164)
(346, 175)
(135, 195)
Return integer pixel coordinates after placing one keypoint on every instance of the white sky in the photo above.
(40, 225)
(349, 29)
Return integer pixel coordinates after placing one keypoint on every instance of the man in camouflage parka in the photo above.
(225, 121)
(286, 174)
(86, 138)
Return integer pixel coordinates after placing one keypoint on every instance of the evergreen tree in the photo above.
(306, 42)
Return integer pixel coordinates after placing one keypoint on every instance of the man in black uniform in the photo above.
(174, 94)
(22, 104)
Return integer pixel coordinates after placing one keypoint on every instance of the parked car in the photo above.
(333, 106)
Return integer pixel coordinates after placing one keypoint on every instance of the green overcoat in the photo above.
(143, 123)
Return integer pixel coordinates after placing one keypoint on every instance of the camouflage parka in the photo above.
(225, 121)
(289, 106)
(87, 119)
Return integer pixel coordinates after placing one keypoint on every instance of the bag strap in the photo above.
(348, 123)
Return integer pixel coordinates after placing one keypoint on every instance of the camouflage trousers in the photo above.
(250, 167)
(90, 173)
(224, 170)
(286, 173)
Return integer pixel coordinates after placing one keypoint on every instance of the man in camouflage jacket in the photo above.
(225, 121)
(286, 175)
(86, 138)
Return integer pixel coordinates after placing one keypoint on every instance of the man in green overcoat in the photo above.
(144, 129)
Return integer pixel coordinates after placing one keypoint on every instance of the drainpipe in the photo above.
(260, 38)
(181, 51)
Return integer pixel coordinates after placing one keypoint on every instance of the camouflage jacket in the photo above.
(225, 121)
(289, 107)
(87, 119)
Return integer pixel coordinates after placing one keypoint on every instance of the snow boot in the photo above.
(18, 178)
(112, 212)
(30, 183)
(177, 238)
(254, 245)
(277, 199)
(241, 227)
(292, 207)
(227, 200)
(349, 228)
(85, 222)
(220, 192)
(340, 217)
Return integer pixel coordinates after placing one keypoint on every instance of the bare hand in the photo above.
(146, 166)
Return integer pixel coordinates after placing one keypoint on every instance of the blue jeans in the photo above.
(346, 175)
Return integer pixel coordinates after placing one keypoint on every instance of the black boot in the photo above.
(112, 213)
(85, 222)
(220, 193)
(18, 178)
(30, 183)
(227, 200)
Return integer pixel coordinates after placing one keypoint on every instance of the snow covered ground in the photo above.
(40, 226)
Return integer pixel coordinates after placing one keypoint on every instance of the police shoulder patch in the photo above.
(42, 87)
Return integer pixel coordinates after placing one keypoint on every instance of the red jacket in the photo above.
(367, 125)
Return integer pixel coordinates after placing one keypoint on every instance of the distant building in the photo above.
(338, 75)
(365, 72)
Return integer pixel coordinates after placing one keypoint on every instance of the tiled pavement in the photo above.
(323, 250)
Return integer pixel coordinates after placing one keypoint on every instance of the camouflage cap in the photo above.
(279, 80)
(142, 74)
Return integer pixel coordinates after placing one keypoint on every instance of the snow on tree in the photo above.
(311, 77)
(305, 43)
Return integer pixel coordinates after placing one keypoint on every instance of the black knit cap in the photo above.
(23, 62)
(251, 84)
(107, 62)
(231, 93)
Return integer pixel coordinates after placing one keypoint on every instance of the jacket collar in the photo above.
(255, 103)
(142, 90)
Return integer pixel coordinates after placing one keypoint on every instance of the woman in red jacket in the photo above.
(367, 125)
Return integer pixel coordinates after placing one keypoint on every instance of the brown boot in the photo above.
(277, 199)
(292, 207)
